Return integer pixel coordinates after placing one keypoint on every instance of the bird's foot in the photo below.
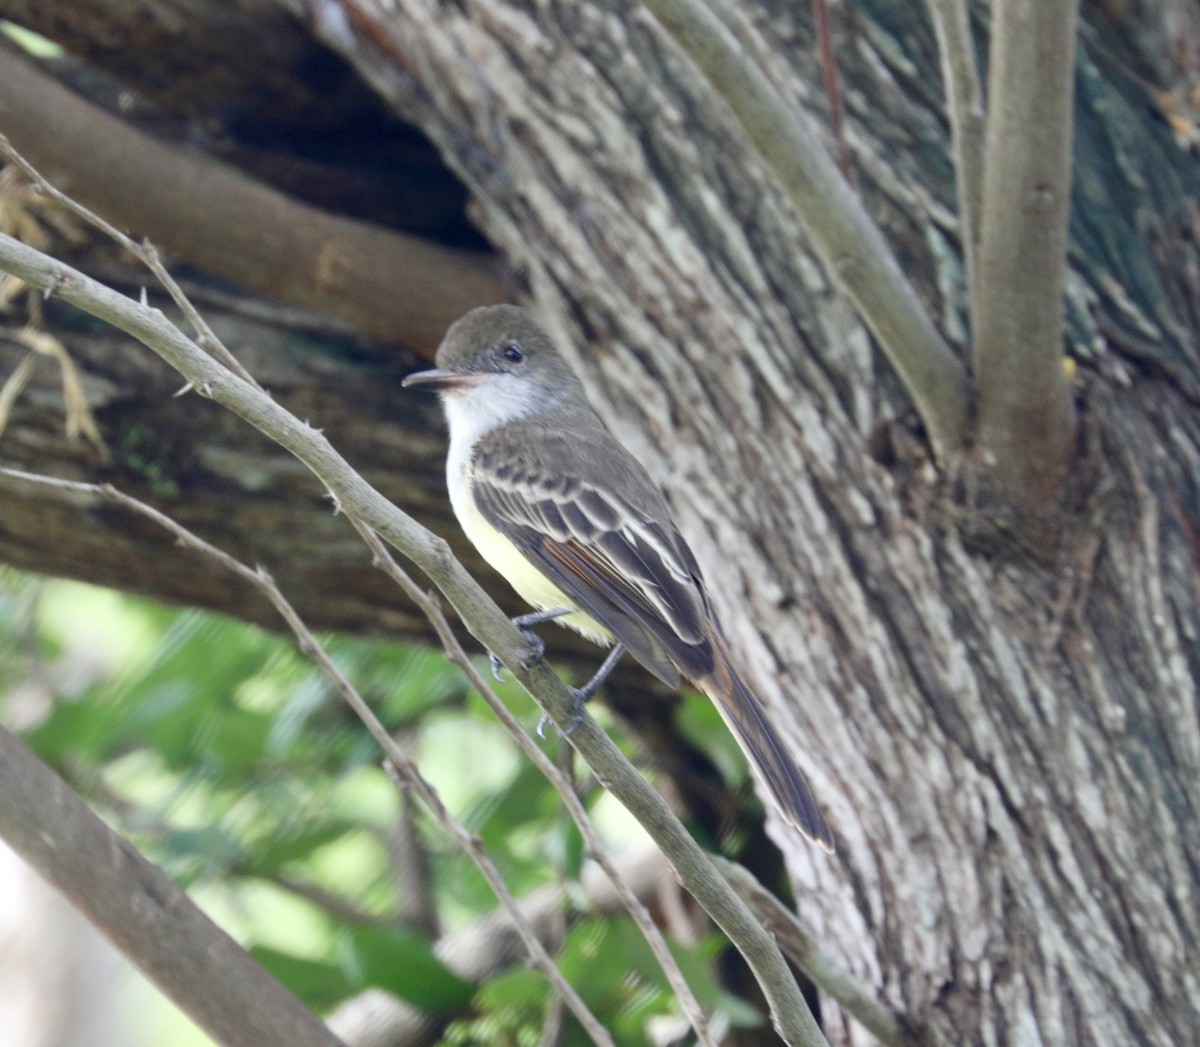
(583, 695)
(537, 647)
(581, 700)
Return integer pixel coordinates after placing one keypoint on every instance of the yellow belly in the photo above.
(531, 585)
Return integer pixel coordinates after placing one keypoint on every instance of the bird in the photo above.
(563, 511)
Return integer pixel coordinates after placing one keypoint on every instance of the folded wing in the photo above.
(628, 571)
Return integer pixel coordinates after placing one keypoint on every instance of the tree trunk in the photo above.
(1007, 742)
(1006, 745)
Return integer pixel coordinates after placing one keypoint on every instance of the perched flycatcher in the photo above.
(577, 526)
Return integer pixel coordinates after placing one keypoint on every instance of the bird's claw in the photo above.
(581, 697)
(497, 667)
(537, 648)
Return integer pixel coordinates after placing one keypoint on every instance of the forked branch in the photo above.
(844, 235)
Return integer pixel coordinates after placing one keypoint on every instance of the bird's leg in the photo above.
(583, 694)
(536, 645)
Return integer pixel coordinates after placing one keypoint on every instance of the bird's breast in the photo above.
(530, 583)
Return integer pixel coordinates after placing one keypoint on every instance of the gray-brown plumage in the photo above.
(571, 518)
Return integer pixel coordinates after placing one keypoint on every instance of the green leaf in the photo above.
(576, 851)
(238, 740)
(75, 729)
(296, 843)
(521, 987)
(403, 963)
(527, 798)
(320, 985)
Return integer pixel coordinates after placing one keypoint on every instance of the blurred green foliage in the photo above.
(228, 758)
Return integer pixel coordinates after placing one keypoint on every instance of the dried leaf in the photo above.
(12, 389)
(10, 287)
(80, 419)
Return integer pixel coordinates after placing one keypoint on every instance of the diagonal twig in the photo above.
(400, 766)
(595, 848)
(485, 620)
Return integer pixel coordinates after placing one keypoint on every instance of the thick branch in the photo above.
(481, 616)
(843, 234)
(227, 223)
(1025, 416)
(144, 914)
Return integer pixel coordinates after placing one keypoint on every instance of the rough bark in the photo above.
(1007, 744)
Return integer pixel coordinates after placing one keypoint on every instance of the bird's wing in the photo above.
(627, 569)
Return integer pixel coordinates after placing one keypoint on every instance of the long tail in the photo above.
(746, 719)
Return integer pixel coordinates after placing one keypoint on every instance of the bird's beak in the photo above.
(443, 379)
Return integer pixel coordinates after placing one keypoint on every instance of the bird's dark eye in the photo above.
(514, 353)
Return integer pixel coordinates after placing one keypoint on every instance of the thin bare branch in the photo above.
(144, 252)
(400, 766)
(595, 847)
(964, 104)
(1026, 420)
(479, 613)
(850, 244)
(833, 87)
(144, 914)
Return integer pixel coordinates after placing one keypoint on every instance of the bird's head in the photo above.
(500, 361)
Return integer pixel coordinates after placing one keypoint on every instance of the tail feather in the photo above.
(746, 719)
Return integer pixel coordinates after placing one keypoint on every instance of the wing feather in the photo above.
(630, 571)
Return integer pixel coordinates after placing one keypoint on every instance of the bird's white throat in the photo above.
(478, 409)
(472, 413)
